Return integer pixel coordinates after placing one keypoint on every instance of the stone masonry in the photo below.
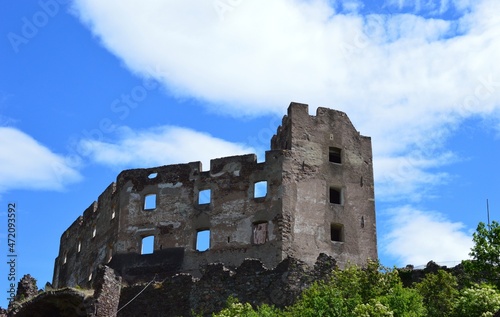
(313, 194)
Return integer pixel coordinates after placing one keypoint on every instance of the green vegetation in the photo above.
(485, 263)
(376, 291)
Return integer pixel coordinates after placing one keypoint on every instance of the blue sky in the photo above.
(89, 88)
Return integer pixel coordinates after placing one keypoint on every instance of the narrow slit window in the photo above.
(79, 247)
(150, 202)
(94, 231)
(335, 196)
(204, 197)
(337, 232)
(260, 233)
(203, 240)
(65, 257)
(109, 255)
(260, 189)
(335, 155)
(147, 245)
(113, 214)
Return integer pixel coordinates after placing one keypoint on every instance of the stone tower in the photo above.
(313, 194)
(327, 183)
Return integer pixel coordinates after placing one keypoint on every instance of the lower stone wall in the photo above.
(181, 295)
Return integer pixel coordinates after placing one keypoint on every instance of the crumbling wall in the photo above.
(231, 214)
(319, 197)
(240, 223)
(251, 282)
(88, 242)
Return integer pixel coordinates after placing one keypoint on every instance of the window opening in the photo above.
(260, 233)
(90, 277)
(334, 155)
(147, 245)
(65, 257)
(337, 232)
(204, 197)
(260, 189)
(152, 175)
(94, 231)
(203, 240)
(335, 196)
(110, 254)
(79, 248)
(150, 202)
(113, 214)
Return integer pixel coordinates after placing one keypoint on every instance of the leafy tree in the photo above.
(373, 309)
(439, 291)
(404, 302)
(485, 263)
(477, 301)
(355, 292)
(236, 309)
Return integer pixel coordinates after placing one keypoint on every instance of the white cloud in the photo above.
(26, 164)
(403, 79)
(417, 237)
(160, 146)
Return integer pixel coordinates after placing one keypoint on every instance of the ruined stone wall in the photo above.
(241, 225)
(251, 282)
(88, 242)
(319, 197)
(328, 192)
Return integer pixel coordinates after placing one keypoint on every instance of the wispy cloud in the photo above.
(27, 164)
(160, 146)
(415, 237)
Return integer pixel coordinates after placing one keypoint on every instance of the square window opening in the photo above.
(150, 202)
(335, 196)
(259, 233)
(204, 197)
(147, 245)
(260, 189)
(203, 240)
(337, 232)
(335, 155)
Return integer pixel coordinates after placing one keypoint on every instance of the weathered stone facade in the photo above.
(317, 197)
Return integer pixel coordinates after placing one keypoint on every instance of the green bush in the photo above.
(477, 301)
(439, 291)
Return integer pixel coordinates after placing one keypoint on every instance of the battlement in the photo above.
(313, 194)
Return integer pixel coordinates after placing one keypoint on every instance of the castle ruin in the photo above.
(313, 194)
